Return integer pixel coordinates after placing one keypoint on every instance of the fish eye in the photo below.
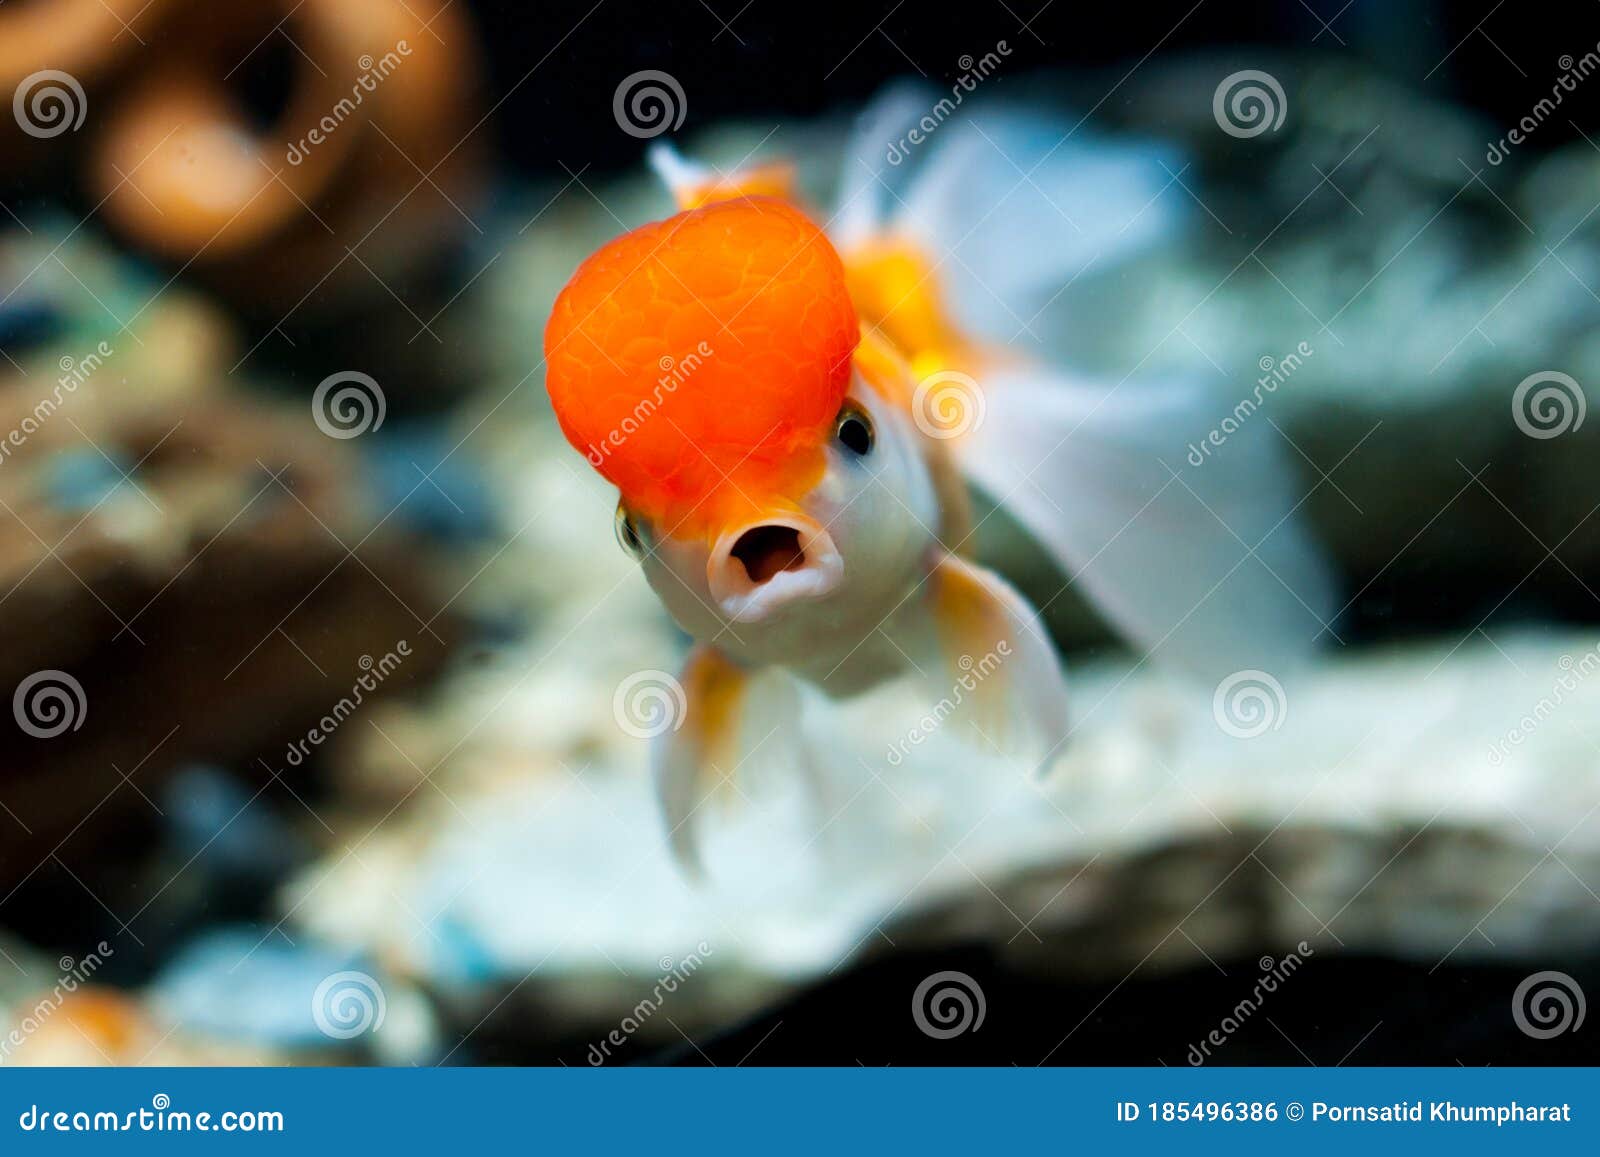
(853, 428)
(628, 532)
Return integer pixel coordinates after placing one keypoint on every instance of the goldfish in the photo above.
(797, 412)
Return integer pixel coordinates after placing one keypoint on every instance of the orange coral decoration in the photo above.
(367, 154)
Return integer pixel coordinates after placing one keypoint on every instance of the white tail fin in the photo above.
(1013, 203)
(1027, 217)
(1206, 565)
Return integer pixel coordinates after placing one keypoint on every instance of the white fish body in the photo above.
(1208, 568)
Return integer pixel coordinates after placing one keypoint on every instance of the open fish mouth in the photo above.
(758, 570)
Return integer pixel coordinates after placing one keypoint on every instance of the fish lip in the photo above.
(742, 600)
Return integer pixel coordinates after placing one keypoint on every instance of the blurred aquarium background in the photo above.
(326, 744)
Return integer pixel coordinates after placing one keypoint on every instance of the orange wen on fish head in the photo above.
(699, 362)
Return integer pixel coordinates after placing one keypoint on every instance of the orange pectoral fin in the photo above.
(692, 760)
(998, 658)
(729, 713)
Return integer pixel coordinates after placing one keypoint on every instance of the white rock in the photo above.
(1372, 813)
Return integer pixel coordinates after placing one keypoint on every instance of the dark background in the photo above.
(781, 59)
(550, 69)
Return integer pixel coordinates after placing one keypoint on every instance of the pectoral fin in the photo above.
(729, 714)
(997, 658)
